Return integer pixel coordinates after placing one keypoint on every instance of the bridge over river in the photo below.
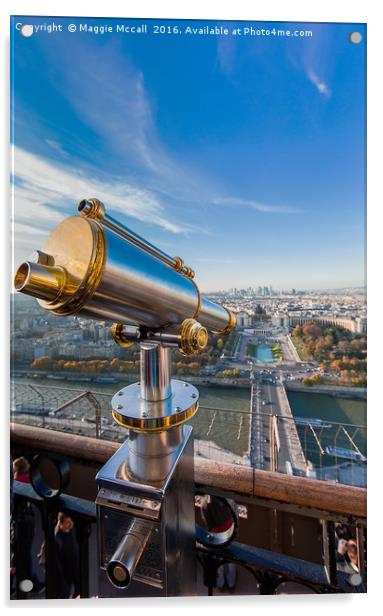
(274, 440)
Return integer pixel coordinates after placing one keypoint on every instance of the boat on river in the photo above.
(315, 423)
(347, 454)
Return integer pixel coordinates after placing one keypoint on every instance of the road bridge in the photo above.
(268, 400)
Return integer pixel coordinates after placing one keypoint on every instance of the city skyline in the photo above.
(244, 156)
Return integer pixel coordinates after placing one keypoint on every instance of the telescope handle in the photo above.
(93, 208)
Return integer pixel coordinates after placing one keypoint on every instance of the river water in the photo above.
(330, 409)
(224, 414)
(223, 417)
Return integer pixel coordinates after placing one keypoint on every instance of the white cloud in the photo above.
(256, 205)
(55, 145)
(320, 85)
(109, 95)
(44, 193)
(226, 54)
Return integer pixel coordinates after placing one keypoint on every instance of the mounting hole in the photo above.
(355, 37)
(26, 30)
(26, 585)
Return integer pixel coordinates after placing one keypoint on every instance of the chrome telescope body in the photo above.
(94, 267)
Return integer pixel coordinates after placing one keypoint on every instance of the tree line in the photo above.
(334, 348)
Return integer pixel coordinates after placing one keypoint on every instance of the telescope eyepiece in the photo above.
(21, 276)
(45, 282)
(122, 565)
(119, 575)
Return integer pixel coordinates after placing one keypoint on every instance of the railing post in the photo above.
(329, 551)
(210, 566)
(267, 582)
(83, 527)
(97, 407)
(22, 557)
(49, 522)
(42, 402)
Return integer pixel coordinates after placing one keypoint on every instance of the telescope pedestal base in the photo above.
(167, 566)
(132, 411)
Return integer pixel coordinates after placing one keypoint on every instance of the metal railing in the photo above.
(331, 451)
(291, 504)
(38, 576)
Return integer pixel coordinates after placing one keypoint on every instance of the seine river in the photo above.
(224, 417)
(330, 409)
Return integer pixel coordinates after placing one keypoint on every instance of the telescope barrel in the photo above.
(94, 267)
(92, 208)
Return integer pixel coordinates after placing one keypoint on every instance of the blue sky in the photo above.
(244, 155)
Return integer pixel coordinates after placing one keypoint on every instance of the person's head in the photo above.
(20, 467)
(342, 547)
(205, 500)
(64, 522)
(342, 531)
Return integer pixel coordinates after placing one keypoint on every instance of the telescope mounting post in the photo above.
(152, 541)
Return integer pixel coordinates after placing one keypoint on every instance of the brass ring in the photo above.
(179, 265)
(155, 424)
(91, 279)
(118, 337)
(91, 208)
(181, 268)
(231, 324)
(199, 301)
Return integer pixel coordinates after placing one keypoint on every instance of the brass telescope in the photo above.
(93, 266)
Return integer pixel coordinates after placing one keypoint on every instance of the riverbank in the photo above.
(58, 379)
(353, 393)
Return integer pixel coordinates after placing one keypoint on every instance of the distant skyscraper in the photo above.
(259, 293)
